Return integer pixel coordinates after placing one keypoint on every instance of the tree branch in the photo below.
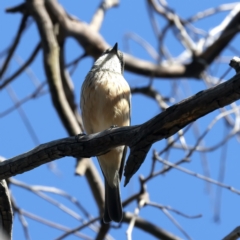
(139, 138)
(52, 69)
(23, 67)
(98, 17)
(15, 43)
(5, 210)
(94, 44)
(149, 227)
(234, 235)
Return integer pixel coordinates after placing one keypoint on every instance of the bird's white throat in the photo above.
(108, 62)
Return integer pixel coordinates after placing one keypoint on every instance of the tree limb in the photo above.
(23, 67)
(139, 138)
(15, 43)
(150, 228)
(6, 212)
(52, 69)
(94, 44)
(234, 235)
(98, 17)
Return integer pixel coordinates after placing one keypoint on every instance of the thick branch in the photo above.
(94, 44)
(51, 63)
(6, 212)
(67, 84)
(52, 69)
(234, 235)
(98, 17)
(213, 50)
(138, 138)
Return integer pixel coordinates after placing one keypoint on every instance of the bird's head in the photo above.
(111, 60)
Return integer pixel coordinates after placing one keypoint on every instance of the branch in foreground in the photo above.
(52, 69)
(94, 44)
(233, 235)
(139, 138)
(149, 228)
(5, 210)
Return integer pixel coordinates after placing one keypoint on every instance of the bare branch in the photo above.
(178, 116)
(172, 209)
(149, 227)
(36, 93)
(52, 224)
(75, 62)
(21, 217)
(199, 176)
(228, 32)
(139, 138)
(42, 195)
(68, 86)
(51, 62)
(6, 213)
(94, 45)
(211, 11)
(142, 200)
(23, 116)
(234, 235)
(22, 68)
(52, 69)
(174, 19)
(19, 8)
(152, 93)
(142, 42)
(103, 231)
(77, 228)
(14, 45)
(174, 221)
(98, 17)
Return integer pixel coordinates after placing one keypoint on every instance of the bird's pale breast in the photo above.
(105, 101)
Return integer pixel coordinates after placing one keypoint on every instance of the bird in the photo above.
(105, 103)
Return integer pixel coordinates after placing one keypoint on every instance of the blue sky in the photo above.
(176, 189)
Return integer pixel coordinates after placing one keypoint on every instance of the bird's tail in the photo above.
(113, 204)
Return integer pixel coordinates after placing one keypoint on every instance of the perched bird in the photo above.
(105, 102)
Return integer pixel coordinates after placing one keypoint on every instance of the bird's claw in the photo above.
(113, 126)
(80, 135)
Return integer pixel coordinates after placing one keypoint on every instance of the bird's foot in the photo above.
(113, 126)
(80, 135)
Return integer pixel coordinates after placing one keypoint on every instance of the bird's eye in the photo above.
(106, 51)
(120, 54)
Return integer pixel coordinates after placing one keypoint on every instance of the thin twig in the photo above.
(23, 116)
(38, 92)
(14, 45)
(22, 68)
(77, 228)
(199, 176)
(174, 221)
(173, 210)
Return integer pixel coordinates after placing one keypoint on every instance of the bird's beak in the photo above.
(115, 48)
